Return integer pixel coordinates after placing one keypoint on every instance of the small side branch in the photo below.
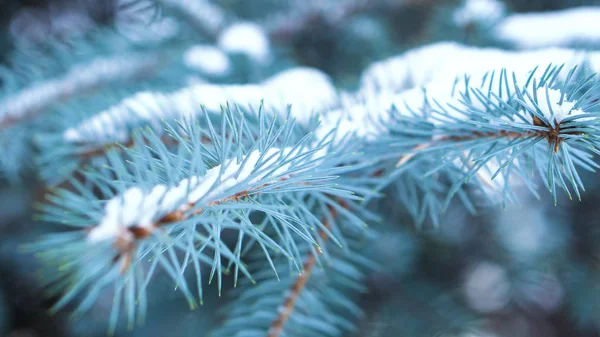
(475, 135)
(552, 135)
(297, 287)
(290, 302)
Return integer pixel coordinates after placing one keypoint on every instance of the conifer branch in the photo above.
(487, 136)
(286, 26)
(203, 15)
(185, 201)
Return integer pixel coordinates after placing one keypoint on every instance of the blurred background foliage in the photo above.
(526, 270)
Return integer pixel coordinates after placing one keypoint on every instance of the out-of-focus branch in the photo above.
(284, 27)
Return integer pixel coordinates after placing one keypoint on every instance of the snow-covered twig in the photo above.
(135, 213)
(306, 90)
(81, 78)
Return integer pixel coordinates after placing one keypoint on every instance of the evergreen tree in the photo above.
(301, 168)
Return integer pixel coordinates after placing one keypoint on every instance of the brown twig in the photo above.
(475, 135)
(290, 302)
(552, 135)
(298, 286)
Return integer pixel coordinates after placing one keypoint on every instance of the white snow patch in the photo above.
(207, 59)
(366, 113)
(487, 287)
(247, 38)
(486, 11)
(448, 60)
(548, 102)
(415, 67)
(363, 115)
(420, 75)
(306, 90)
(111, 125)
(546, 29)
(301, 78)
(81, 77)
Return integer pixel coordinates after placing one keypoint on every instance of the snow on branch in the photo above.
(246, 38)
(422, 65)
(546, 119)
(568, 27)
(412, 78)
(361, 115)
(312, 91)
(136, 211)
(80, 78)
(478, 11)
(208, 60)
